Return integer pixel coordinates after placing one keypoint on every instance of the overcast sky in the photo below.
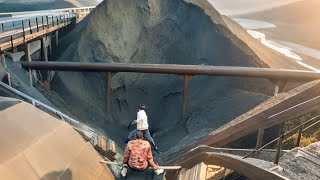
(233, 7)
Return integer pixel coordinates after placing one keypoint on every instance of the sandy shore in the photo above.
(293, 36)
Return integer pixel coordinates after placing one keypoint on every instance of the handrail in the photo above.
(65, 117)
(205, 148)
(231, 162)
(276, 139)
(174, 69)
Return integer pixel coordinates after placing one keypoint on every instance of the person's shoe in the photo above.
(158, 171)
(124, 172)
(156, 149)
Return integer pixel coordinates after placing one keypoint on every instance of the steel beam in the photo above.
(57, 37)
(109, 78)
(175, 69)
(28, 58)
(186, 79)
(45, 58)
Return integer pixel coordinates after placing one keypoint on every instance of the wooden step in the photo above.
(105, 146)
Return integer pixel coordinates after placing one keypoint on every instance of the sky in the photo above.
(235, 7)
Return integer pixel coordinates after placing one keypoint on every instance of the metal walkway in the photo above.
(22, 27)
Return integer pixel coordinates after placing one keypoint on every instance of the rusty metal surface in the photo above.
(174, 69)
(35, 145)
(109, 78)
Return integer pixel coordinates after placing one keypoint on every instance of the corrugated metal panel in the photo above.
(35, 145)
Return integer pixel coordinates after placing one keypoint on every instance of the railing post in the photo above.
(299, 136)
(259, 138)
(11, 38)
(47, 22)
(52, 21)
(24, 32)
(279, 146)
(37, 24)
(109, 78)
(30, 26)
(42, 22)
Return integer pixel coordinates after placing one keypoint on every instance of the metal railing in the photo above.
(22, 29)
(281, 139)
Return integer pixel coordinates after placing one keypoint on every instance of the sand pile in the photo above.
(157, 31)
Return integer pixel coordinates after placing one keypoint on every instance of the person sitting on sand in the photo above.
(138, 155)
(143, 126)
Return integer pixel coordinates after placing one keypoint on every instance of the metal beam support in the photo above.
(109, 79)
(57, 37)
(186, 79)
(45, 57)
(299, 136)
(28, 58)
(259, 138)
(175, 69)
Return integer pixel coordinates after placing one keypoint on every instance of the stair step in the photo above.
(105, 146)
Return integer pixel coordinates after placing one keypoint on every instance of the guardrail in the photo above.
(21, 29)
(87, 131)
(17, 32)
(281, 139)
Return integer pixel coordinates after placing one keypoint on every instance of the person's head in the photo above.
(142, 106)
(139, 135)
